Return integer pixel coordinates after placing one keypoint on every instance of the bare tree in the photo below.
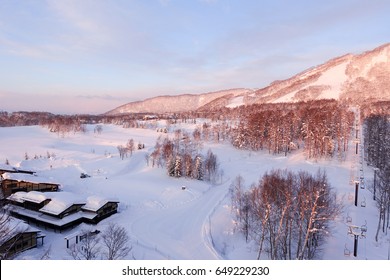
(122, 151)
(211, 166)
(286, 214)
(116, 242)
(10, 234)
(5, 229)
(130, 146)
(46, 254)
(98, 129)
(88, 247)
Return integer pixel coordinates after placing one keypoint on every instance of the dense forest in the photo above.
(377, 154)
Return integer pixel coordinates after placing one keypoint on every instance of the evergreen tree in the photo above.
(171, 166)
(178, 167)
(198, 168)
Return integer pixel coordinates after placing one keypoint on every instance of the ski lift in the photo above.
(363, 203)
(347, 252)
(363, 228)
(352, 230)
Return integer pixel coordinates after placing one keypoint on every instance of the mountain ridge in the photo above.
(351, 78)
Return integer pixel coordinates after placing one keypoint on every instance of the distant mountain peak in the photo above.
(351, 78)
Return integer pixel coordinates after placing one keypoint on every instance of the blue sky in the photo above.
(89, 56)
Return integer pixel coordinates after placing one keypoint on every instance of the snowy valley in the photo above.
(181, 218)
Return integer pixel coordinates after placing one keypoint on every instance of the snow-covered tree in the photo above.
(122, 151)
(287, 214)
(171, 166)
(198, 168)
(178, 167)
(211, 166)
(130, 146)
(5, 229)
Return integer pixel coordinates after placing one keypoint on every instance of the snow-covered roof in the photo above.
(7, 167)
(17, 197)
(61, 201)
(20, 226)
(16, 226)
(20, 177)
(35, 196)
(94, 203)
(46, 218)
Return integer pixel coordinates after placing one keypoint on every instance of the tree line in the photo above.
(321, 128)
(286, 215)
(377, 152)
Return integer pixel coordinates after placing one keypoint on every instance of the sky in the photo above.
(90, 56)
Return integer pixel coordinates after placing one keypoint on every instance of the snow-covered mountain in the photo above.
(178, 103)
(354, 78)
(351, 78)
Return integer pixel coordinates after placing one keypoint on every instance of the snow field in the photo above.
(164, 220)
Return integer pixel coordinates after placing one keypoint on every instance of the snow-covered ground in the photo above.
(164, 220)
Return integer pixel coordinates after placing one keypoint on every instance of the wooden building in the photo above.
(62, 205)
(99, 208)
(29, 200)
(15, 182)
(59, 210)
(5, 168)
(20, 237)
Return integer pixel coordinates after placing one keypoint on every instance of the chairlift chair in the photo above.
(363, 228)
(347, 252)
(363, 203)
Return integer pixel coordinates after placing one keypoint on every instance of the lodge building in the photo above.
(34, 200)
(20, 237)
(60, 210)
(5, 168)
(15, 182)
